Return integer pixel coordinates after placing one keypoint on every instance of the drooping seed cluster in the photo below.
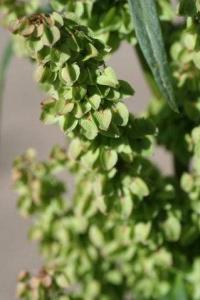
(84, 94)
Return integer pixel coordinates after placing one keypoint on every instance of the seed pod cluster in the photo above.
(43, 285)
(84, 94)
(86, 237)
(110, 20)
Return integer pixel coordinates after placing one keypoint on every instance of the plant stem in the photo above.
(4, 64)
(179, 167)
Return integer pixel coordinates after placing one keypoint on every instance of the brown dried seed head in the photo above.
(37, 19)
(47, 281)
(23, 275)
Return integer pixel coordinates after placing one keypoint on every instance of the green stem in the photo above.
(179, 167)
(4, 64)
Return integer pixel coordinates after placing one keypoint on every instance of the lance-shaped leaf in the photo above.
(149, 35)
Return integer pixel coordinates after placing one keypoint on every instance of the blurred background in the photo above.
(22, 129)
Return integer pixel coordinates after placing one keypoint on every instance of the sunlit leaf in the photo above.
(150, 39)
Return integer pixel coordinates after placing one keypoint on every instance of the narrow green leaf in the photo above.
(179, 290)
(4, 64)
(150, 39)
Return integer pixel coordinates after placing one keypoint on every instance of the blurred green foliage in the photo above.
(129, 232)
